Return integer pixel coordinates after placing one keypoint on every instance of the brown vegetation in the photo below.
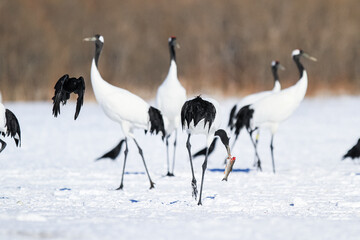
(226, 46)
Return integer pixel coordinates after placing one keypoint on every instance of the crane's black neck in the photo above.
(223, 137)
(299, 65)
(98, 48)
(275, 73)
(172, 51)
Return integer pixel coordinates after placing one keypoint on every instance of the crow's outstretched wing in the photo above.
(80, 92)
(59, 95)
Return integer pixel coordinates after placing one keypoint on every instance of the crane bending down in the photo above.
(252, 98)
(121, 106)
(170, 97)
(9, 126)
(202, 116)
(271, 110)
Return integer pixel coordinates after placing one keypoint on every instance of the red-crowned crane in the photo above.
(124, 107)
(271, 110)
(170, 97)
(202, 116)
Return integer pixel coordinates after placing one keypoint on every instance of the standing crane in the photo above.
(124, 107)
(271, 110)
(170, 97)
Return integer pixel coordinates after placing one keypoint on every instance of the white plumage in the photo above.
(170, 97)
(271, 110)
(120, 105)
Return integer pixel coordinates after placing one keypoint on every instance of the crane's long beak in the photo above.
(281, 67)
(228, 151)
(90, 39)
(177, 45)
(309, 57)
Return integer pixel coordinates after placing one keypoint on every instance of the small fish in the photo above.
(229, 166)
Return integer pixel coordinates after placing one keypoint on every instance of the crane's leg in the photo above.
(272, 152)
(204, 166)
(122, 176)
(256, 143)
(256, 152)
(193, 182)
(3, 145)
(167, 155)
(142, 156)
(175, 142)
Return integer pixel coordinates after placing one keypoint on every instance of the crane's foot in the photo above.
(152, 185)
(120, 187)
(199, 203)
(259, 166)
(170, 174)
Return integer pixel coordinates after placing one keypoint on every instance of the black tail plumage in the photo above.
(354, 152)
(13, 127)
(112, 154)
(156, 121)
(243, 118)
(231, 117)
(196, 110)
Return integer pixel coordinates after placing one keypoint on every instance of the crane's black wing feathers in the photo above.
(354, 152)
(113, 153)
(13, 127)
(196, 110)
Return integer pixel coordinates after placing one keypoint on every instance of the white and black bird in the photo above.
(124, 107)
(271, 110)
(170, 97)
(250, 99)
(202, 116)
(9, 126)
(354, 152)
(63, 88)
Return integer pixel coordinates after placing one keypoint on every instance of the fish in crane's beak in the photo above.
(309, 57)
(229, 167)
(89, 39)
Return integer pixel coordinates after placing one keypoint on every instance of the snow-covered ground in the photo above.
(51, 187)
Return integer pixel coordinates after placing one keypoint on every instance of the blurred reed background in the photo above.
(226, 46)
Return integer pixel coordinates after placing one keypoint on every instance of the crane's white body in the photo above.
(252, 98)
(119, 104)
(171, 96)
(277, 107)
(3, 127)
